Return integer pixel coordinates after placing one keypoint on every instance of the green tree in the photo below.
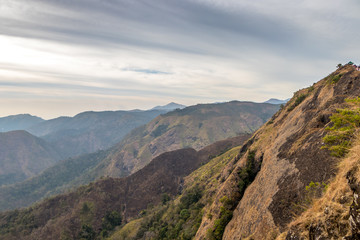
(87, 232)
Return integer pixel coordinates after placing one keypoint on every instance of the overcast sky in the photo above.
(61, 57)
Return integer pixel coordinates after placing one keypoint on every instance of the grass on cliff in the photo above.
(344, 124)
(332, 208)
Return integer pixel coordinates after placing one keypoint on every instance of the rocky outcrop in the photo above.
(354, 213)
(290, 146)
(336, 214)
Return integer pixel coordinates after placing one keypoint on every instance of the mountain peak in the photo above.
(169, 106)
(277, 101)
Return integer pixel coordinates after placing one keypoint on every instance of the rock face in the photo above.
(289, 150)
(354, 218)
(336, 214)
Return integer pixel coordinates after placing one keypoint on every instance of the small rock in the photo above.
(326, 211)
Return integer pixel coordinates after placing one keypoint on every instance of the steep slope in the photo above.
(93, 209)
(336, 214)
(195, 127)
(18, 122)
(282, 158)
(23, 155)
(90, 131)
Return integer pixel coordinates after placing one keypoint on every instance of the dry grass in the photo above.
(334, 205)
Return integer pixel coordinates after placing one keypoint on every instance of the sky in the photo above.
(62, 57)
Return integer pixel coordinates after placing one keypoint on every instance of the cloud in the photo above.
(146, 71)
(187, 51)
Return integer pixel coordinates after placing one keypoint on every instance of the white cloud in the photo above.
(151, 53)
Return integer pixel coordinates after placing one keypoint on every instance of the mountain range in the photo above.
(296, 177)
(195, 126)
(86, 132)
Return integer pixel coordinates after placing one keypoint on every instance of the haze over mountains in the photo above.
(18, 122)
(24, 155)
(85, 132)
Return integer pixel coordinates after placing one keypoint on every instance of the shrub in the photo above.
(184, 214)
(87, 232)
(335, 78)
(159, 131)
(165, 198)
(190, 197)
(298, 100)
(226, 213)
(110, 221)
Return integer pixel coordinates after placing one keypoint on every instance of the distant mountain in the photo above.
(195, 126)
(90, 131)
(88, 210)
(18, 122)
(23, 155)
(277, 101)
(169, 107)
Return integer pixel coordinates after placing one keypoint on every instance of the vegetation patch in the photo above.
(246, 176)
(298, 100)
(174, 221)
(313, 191)
(109, 222)
(226, 213)
(344, 123)
(161, 129)
(334, 79)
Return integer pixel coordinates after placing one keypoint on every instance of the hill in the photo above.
(194, 127)
(23, 155)
(95, 209)
(18, 122)
(88, 132)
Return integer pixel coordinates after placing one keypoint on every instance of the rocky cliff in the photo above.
(269, 181)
